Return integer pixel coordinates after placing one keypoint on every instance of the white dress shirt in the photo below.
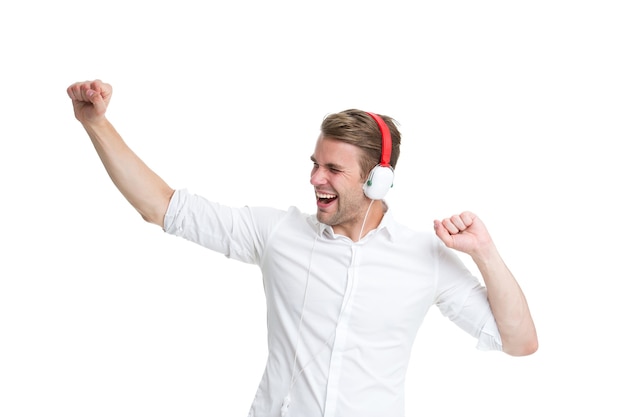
(341, 315)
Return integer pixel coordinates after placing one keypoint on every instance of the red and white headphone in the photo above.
(380, 178)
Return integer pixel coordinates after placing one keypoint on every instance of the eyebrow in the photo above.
(329, 166)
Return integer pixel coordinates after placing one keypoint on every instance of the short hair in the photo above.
(358, 128)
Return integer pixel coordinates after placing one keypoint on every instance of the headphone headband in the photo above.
(385, 154)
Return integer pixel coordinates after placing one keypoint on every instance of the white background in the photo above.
(514, 110)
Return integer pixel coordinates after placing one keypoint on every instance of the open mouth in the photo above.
(325, 198)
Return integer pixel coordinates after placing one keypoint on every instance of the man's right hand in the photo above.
(144, 189)
(90, 100)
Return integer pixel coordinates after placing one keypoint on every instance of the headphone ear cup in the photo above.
(379, 181)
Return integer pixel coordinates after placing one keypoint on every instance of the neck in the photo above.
(369, 207)
(371, 219)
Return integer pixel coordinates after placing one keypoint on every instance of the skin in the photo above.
(143, 188)
(335, 172)
(466, 233)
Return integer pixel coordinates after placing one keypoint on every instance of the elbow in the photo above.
(531, 347)
(154, 211)
(519, 337)
(154, 218)
(149, 219)
(522, 348)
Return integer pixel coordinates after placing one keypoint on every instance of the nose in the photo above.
(318, 177)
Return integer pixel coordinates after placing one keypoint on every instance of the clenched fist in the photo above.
(90, 100)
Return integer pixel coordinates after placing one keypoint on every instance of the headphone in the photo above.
(380, 178)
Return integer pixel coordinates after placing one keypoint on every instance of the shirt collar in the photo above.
(388, 226)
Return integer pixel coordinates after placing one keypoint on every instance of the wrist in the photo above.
(485, 255)
(96, 123)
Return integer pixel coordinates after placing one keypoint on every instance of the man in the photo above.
(346, 289)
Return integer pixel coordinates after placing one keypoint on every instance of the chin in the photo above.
(323, 217)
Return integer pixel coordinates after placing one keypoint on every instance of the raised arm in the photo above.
(467, 233)
(143, 188)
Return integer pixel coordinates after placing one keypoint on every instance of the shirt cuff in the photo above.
(489, 337)
(173, 209)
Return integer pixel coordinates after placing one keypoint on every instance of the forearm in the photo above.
(508, 304)
(142, 187)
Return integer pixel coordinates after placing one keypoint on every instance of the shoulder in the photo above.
(403, 233)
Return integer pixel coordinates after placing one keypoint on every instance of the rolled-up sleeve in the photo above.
(203, 222)
(463, 299)
(238, 233)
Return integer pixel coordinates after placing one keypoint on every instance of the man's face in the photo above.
(338, 182)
